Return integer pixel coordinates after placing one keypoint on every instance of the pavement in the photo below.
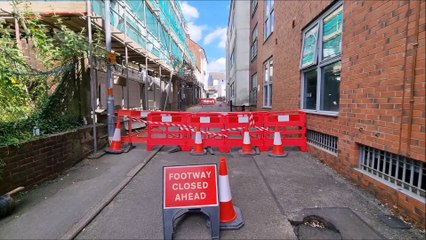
(276, 196)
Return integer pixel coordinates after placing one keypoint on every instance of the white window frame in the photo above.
(318, 63)
(267, 83)
(269, 19)
(253, 6)
(254, 42)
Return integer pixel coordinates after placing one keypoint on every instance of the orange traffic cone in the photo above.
(115, 145)
(198, 147)
(247, 149)
(277, 149)
(230, 215)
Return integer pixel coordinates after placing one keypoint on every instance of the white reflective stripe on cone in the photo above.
(277, 139)
(246, 139)
(224, 189)
(198, 138)
(117, 135)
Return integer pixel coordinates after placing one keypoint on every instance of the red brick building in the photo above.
(358, 69)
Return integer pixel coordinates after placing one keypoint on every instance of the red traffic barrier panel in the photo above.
(168, 128)
(256, 130)
(206, 101)
(136, 125)
(290, 124)
(238, 122)
(210, 126)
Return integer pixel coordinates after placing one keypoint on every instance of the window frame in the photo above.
(253, 89)
(267, 84)
(253, 8)
(319, 63)
(267, 16)
(231, 58)
(254, 43)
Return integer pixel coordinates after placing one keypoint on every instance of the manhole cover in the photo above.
(315, 227)
(331, 223)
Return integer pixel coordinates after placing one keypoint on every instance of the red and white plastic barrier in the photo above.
(220, 130)
(206, 101)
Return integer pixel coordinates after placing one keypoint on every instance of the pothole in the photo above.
(315, 227)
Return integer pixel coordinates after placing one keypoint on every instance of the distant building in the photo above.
(200, 71)
(216, 85)
(238, 54)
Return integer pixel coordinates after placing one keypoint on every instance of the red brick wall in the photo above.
(378, 72)
(45, 158)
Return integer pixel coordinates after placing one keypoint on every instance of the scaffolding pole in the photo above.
(146, 64)
(92, 82)
(168, 90)
(109, 83)
(126, 57)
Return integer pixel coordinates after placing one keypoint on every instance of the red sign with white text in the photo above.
(190, 186)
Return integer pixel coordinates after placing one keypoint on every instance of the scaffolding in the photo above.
(157, 26)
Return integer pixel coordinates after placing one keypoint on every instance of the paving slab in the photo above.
(52, 208)
(300, 181)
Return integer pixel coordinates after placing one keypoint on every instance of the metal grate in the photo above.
(404, 172)
(322, 140)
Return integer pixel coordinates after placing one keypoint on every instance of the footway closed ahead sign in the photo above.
(190, 186)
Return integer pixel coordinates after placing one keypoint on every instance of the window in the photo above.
(269, 18)
(253, 6)
(232, 25)
(395, 170)
(320, 62)
(232, 89)
(253, 47)
(231, 58)
(267, 84)
(253, 90)
(322, 140)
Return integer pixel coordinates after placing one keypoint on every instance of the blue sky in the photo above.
(207, 21)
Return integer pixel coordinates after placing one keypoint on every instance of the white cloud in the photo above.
(196, 31)
(217, 65)
(189, 12)
(218, 36)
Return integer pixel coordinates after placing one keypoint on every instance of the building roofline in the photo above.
(204, 51)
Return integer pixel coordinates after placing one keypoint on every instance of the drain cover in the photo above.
(394, 222)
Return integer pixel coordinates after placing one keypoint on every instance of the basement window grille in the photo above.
(403, 172)
(322, 140)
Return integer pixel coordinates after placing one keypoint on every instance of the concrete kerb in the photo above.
(94, 211)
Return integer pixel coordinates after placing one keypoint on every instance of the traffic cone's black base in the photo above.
(278, 155)
(236, 224)
(108, 150)
(198, 153)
